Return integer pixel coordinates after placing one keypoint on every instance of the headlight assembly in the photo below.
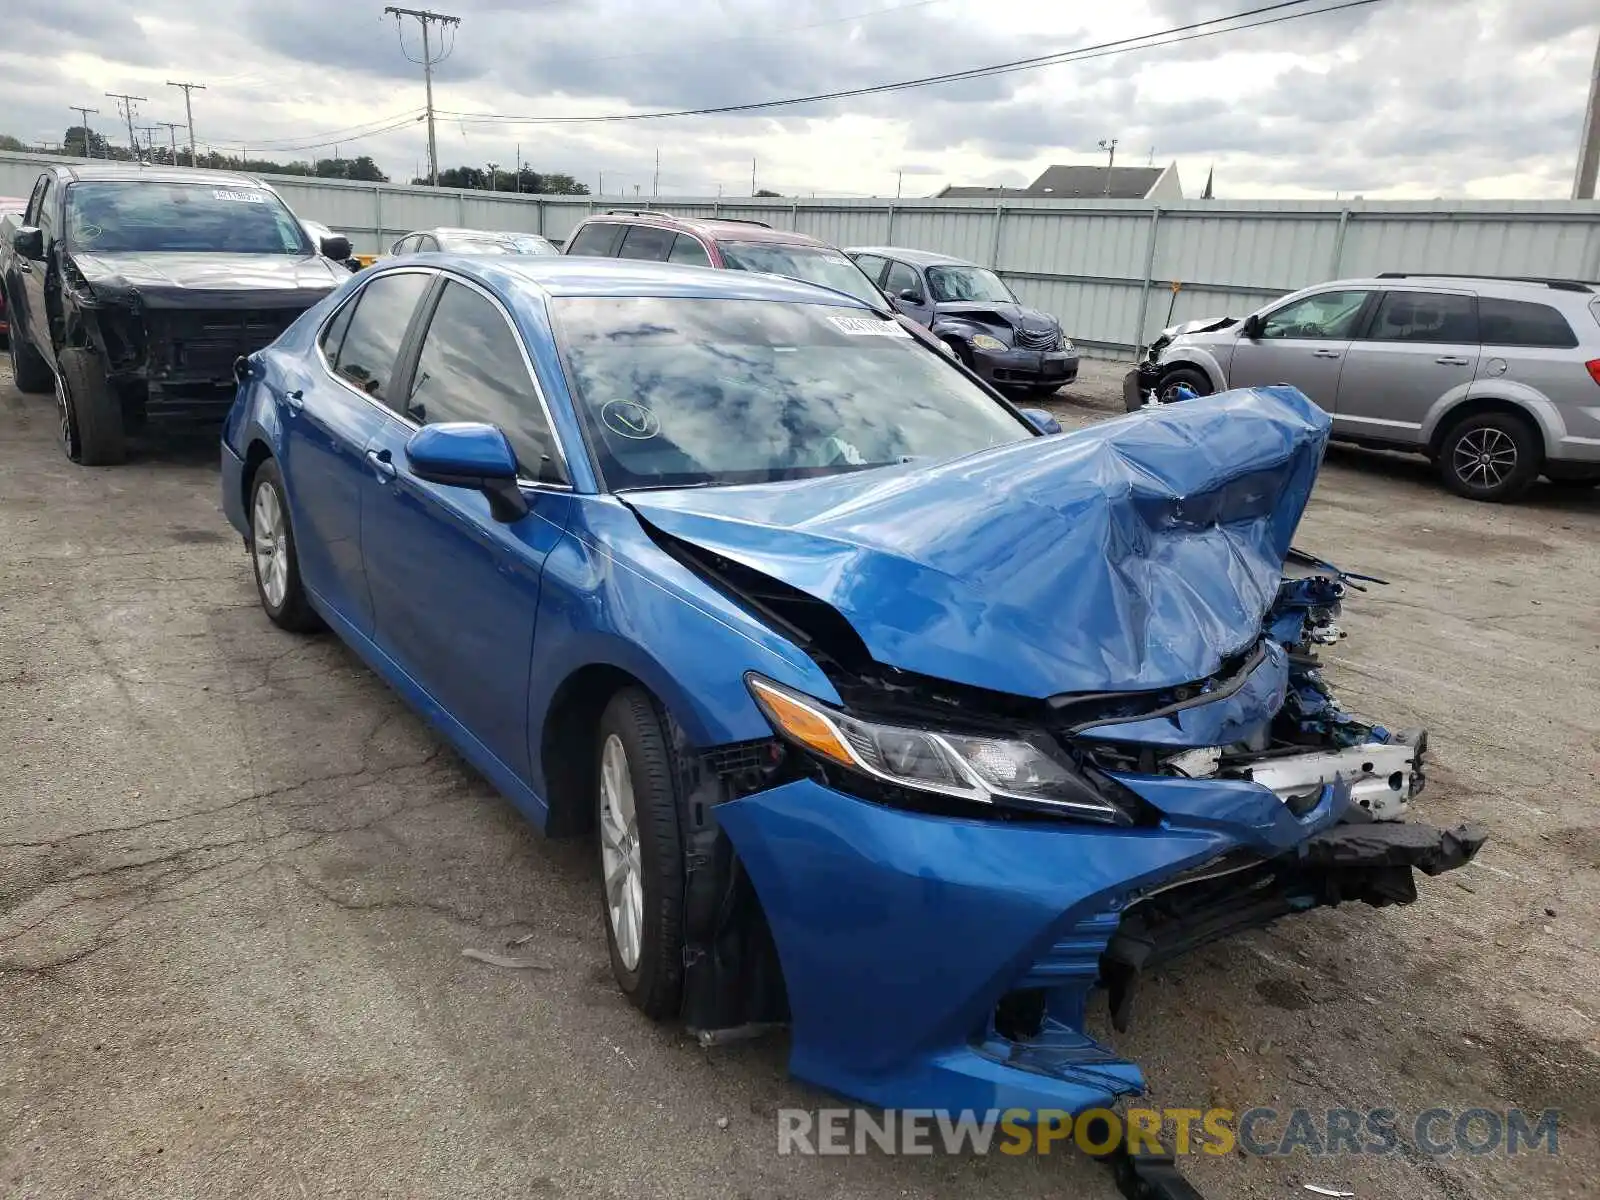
(982, 341)
(1021, 772)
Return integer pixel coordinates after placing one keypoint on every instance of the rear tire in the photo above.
(641, 854)
(1190, 377)
(91, 414)
(28, 369)
(1492, 457)
(273, 554)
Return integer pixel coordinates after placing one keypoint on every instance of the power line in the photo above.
(445, 23)
(83, 112)
(1080, 54)
(334, 136)
(188, 111)
(125, 102)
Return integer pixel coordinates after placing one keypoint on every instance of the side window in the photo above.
(471, 369)
(31, 217)
(1522, 323)
(872, 266)
(372, 338)
(427, 244)
(689, 251)
(598, 238)
(400, 247)
(333, 332)
(647, 242)
(1330, 315)
(901, 278)
(47, 219)
(1426, 317)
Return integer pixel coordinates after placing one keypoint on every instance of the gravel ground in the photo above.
(237, 877)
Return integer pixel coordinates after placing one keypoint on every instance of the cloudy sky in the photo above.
(1397, 99)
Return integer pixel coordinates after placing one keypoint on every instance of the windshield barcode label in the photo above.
(868, 327)
(240, 197)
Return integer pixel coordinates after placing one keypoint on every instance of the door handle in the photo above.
(1324, 354)
(1450, 361)
(378, 460)
(25, 267)
(295, 401)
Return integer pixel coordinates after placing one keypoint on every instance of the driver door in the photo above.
(902, 278)
(1303, 344)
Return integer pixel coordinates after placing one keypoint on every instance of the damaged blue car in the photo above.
(892, 719)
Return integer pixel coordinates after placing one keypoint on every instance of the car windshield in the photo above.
(139, 215)
(677, 392)
(458, 243)
(969, 283)
(530, 243)
(808, 264)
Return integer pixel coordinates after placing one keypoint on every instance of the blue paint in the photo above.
(464, 450)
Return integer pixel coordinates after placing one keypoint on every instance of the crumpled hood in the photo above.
(1136, 554)
(1015, 315)
(156, 273)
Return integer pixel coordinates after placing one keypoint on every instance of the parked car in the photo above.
(11, 208)
(132, 290)
(1492, 379)
(891, 718)
(319, 233)
(972, 308)
(470, 241)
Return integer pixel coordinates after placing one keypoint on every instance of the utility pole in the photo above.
(655, 183)
(752, 177)
(1589, 144)
(517, 178)
(172, 140)
(494, 172)
(188, 110)
(601, 190)
(149, 140)
(1110, 147)
(88, 149)
(125, 102)
(425, 18)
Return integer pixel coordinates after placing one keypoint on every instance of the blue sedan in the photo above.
(892, 717)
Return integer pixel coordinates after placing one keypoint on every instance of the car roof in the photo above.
(562, 275)
(716, 228)
(84, 172)
(917, 258)
(1396, 280)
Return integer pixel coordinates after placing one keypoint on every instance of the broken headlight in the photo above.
(1023, 771)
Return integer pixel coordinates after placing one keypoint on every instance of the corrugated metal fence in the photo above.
(1106, 268)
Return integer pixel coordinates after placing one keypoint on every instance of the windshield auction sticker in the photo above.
(238, 197)
(625, 418)
(868, 327)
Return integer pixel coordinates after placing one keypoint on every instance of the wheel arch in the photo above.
(1448, 415)
(574, 711)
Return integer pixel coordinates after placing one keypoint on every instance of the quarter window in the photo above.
(333, 332)
(1438, 317)
(1522, 323)
(1329, 315)
(372, 338)
(471, 369)
(647, 242)
(689, 251)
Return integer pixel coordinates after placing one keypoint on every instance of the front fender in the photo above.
(1200, 357)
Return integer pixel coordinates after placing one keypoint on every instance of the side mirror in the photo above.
(29, 243)
(1253, 326)
(1041, 420)
(335, 246)
(470, 455)
(911, 296)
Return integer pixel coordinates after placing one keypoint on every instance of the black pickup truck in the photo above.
(132, 290)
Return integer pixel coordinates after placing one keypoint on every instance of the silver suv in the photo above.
(1496, 380)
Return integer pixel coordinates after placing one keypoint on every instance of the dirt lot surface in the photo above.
(237, 877)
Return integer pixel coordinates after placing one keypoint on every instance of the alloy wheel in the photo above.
(63, 407)
(619, 853)
(1484, 457)
(269, 534)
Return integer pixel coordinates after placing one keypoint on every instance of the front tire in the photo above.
(1196, 381)
(272, 554)
(1492, 457)
(641, 854)
(91, 414)
(28, 369)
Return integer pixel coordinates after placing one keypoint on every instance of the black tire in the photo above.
(91, 414)
(1492, 457)
(29, 371)
(292, 609)
(654, 981)
(1190, 377)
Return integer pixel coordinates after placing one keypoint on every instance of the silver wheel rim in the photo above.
(619, 852)
(269, 533)
(66, 410)
(1485, 457)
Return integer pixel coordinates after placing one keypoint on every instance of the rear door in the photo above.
(329, 416)
(454, 590)
(1303, 343)
(1418, 347)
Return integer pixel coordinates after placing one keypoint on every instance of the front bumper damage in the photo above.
(932, 960)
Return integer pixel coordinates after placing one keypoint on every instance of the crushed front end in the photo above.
(929, 878)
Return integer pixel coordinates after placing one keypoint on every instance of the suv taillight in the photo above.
(1594, 369)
